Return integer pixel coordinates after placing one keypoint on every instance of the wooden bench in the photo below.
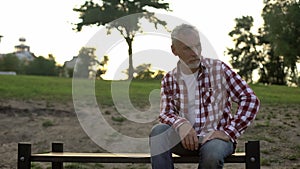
(57, 157)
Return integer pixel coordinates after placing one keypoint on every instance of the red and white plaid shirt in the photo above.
(216, 87)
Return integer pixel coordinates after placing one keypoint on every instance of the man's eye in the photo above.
(187, 48)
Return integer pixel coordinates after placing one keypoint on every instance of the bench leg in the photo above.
(57, 147)
(24, 153)
(252, 155)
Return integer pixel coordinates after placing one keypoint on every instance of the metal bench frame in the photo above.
(57, 157)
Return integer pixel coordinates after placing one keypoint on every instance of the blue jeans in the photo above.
(164, 141)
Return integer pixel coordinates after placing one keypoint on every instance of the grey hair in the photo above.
(182, 29)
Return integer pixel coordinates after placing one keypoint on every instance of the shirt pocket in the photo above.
(211, 95)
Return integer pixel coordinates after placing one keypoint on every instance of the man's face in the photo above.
(188, 48)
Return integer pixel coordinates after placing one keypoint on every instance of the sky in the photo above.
(48, 29)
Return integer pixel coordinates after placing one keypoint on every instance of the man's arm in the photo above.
(248, 103)
(170, 103)
(170, 109)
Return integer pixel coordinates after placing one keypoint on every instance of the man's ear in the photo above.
(174, 50)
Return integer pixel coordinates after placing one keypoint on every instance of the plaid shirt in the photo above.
(216, 87)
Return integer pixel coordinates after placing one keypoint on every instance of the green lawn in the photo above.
(35, 88)
(276, 126)
(277, 94)
(55, 89)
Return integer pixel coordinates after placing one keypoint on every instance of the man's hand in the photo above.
(188, 136)
(216, 135)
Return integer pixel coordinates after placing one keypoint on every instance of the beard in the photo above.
(193, 64)
(190, 66)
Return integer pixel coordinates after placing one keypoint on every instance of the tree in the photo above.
(102, 67)
(272, 67)
(144, 72)
(86, 63)
(244, 55)
(159, 74)
(10, 62)
(282, 28)
(42, 66)
(109, 12)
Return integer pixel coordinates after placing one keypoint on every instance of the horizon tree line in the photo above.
(273, 51)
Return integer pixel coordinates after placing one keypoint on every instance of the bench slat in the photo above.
(119, 158)
(57, 156)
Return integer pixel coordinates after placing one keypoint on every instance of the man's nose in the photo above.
(195, 51)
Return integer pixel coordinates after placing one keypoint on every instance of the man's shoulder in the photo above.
(170, 75)
(211, 62)
(213, 65)
(172, 72)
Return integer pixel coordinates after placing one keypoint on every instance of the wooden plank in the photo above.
(119, 158)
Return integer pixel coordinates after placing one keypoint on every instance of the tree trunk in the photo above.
(130, 68)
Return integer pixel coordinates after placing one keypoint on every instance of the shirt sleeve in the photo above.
(170, 103)
(248, 103)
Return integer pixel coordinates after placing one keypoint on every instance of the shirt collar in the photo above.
(202, 64)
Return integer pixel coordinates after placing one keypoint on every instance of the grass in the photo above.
(35, 88)
(47, 123)
(274, 125)
(118, 118)
(55, 89)
(277, 94)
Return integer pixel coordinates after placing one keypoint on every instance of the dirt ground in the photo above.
(41, 123)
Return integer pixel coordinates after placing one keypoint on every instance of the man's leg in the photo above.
(213, 153)
(162, 139)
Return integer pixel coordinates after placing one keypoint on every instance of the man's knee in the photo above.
(213, 153)
(159, 139)
(158, 129)
(211, 159)
(217, 147)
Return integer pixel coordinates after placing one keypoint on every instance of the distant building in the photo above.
(71, 64)
(69, 67)
(22, 51)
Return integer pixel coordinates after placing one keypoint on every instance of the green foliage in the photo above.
(244, 56)
(47, 123)
(102, 67)
(273, 70)
(277, 41)
(282, 30)
(144, 72)
(39, 66)
(87, 65)
(86, 62)
(107, 11)
(42, 66)
(10, 62)
(110, 13)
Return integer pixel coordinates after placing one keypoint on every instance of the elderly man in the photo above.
(196, 104)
